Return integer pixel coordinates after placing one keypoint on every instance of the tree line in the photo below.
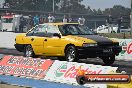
(65, 6)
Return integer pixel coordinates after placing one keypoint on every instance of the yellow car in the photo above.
(67, 41)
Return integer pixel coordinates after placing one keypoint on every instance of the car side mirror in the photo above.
(57, 34)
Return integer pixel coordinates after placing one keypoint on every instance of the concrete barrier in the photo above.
(24, 67)
(126, 53)
(65, 72)
(49, 70)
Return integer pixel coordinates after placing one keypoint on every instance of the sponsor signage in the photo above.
(21, 66)
(126, 46)
(104, 78)
(126, 53)
(67, 71)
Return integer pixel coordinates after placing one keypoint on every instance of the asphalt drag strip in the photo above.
(10, 51)
(121, 64)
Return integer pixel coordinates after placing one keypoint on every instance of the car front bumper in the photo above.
(96, 51)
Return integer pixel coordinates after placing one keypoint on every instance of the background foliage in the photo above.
(66, 6)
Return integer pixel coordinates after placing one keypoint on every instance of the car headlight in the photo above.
(89, 44)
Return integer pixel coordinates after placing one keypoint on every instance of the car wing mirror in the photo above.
(57, 34)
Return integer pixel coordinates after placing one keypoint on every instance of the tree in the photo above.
(89, 11)
(99, 12)
(95, 12)
(64, 6)
(32, 5)
(117, 10)
(72, 6)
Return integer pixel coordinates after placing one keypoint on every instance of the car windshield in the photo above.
(75, 29)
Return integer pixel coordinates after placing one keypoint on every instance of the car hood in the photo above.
(80, 38)
(99, 39)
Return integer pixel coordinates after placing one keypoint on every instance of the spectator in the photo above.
(119, 21)
(41, 19)
(69, 19)
(81, 20)
(44, 18)
(0, 25)
(30, 22)
(22, 24)
(36, 20)
(109, 22)
(51, 18)
(65, 20)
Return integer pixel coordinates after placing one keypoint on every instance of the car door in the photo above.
(36, 38)
(53, 45)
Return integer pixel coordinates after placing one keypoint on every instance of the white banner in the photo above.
(65, 72)
(126, 53)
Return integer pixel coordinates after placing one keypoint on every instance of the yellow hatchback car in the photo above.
(67, 41)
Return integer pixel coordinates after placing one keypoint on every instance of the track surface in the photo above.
(121, 64)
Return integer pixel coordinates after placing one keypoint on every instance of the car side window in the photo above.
(39, 30)
(51, 30)
(72, 29)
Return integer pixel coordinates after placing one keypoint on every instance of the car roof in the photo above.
(57, 23)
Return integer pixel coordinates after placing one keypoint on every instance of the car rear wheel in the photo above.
(71, 54)
(28, 51)
(108, 60)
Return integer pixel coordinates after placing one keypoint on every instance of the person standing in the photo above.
(41, 20)
(0, 25)
(109, 22)
(65, 20)
(119, 21)
(81, 20)
(36, 20)
(70, 19)
(51, 18)
(44, 18)
(22, 24)
(29, 22)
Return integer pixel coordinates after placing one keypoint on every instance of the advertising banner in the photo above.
(27, 67)
(65, 72)
(126, 53)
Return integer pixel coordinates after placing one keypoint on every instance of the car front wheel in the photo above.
(108, 60)
(71, 54)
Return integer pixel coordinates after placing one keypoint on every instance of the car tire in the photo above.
(28, 51)
(81, 80)
(71, 54)
(108, 60)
